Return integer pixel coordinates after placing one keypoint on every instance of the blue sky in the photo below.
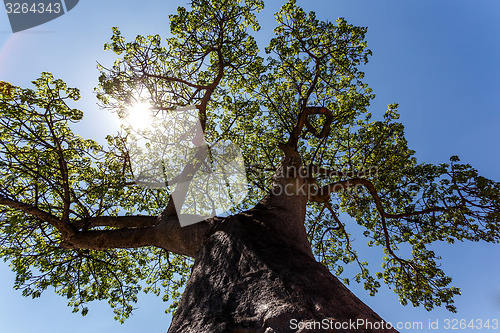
(438, 59)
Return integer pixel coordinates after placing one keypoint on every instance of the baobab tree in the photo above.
(83, 218)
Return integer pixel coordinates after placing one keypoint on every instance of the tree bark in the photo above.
(254, 273)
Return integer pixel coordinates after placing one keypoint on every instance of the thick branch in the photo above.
(108, 239)
(137, 221)
(210, 90)
(62, 162)
(133, 232)
(186, 176)
(302, 121)
(182, 240)
(380, 208)
(201, 153)
(165, 233)
(323, 195)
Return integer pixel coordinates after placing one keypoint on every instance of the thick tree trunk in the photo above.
(256, 273)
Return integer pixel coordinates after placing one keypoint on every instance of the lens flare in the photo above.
(139, 116)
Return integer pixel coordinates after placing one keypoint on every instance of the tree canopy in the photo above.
(73, 216)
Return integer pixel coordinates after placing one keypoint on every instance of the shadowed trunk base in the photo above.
(247, 278)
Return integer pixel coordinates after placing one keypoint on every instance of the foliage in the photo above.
(258, 103)
(44, 165)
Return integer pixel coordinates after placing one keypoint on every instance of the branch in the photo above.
(337, 173)
(166, 233)
(202, 151)
(65, 228)
(302, 121)
(174, 79)
(183, 240)
(322, 194)
(134, 232)
(136, 221)
(108, 239)
(186, 176)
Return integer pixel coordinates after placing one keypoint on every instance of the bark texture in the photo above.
(254, 273)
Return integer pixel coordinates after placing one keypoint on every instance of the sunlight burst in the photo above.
(139, 116)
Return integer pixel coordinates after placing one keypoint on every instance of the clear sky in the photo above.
(439, 59)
